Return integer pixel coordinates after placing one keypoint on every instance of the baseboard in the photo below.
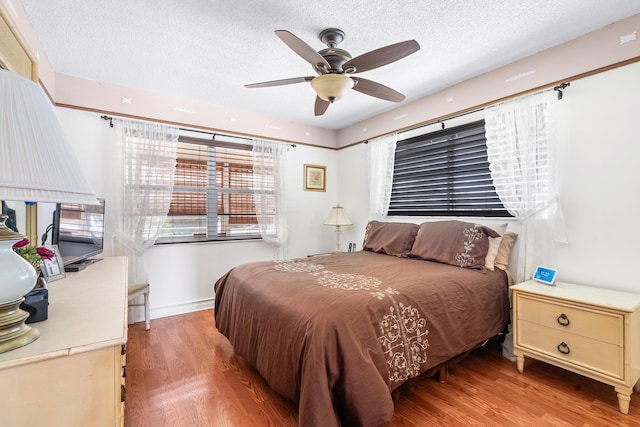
(136, 314)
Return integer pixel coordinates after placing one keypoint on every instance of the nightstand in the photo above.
(591, 331)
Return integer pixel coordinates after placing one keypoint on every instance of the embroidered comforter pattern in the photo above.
(402, 332)
(338, 333)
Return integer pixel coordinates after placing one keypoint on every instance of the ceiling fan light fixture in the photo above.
(332, 87)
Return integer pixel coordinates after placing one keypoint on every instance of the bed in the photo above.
(337, 334)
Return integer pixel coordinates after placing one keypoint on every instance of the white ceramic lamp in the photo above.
(17, 277)
(36, 166)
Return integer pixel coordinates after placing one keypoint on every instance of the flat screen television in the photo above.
(78, 230)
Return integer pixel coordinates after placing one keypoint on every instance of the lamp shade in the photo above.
(338, 217)
(36, 164)
(332, 87)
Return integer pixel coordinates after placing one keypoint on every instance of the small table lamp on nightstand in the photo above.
(338, 217)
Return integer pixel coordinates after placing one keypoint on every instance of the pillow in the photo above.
(390, 238)
(458, 243)
(494, 244)
(504, 251)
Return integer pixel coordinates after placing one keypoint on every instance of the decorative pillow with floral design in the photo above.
(458, 243)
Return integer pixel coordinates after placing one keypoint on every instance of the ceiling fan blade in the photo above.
(382, 56)
(303, 49)
(281, 82)
(321, 106)
(377, 90)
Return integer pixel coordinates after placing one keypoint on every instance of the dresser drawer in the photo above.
(594, 355)
(595, 324)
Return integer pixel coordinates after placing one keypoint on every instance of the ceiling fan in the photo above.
(335, 68)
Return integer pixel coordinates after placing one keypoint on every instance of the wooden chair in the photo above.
(136, 290)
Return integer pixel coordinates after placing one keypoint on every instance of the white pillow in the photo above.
(508, 240)
(494, 244)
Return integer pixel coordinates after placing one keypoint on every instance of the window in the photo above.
(445, 173)
(213, 193)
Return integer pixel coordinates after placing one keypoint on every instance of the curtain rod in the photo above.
(441, 121)
(559, 88)
(213, 134)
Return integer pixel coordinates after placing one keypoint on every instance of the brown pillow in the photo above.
(504, 251)
(391, 238)
(458, 243)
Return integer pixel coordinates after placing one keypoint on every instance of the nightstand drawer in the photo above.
(592, 354)
(598, 325)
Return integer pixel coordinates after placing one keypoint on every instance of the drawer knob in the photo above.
(563, 348)
(563, 320)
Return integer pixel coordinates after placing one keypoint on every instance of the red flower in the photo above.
(21, 243)
(45, 253)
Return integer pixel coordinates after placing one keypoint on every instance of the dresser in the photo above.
(592, 331)
(73, 375)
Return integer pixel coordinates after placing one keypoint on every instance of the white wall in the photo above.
(182, 275)
(598, 179)
(353, 192)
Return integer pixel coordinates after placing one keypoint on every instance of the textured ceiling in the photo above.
(206, 50)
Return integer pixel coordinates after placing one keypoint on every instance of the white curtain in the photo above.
(521, 142)
(270, 193)
(381, 160)
(146, 157)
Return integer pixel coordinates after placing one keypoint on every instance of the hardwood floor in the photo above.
(184, 373)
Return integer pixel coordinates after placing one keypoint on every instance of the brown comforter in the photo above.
(337, 333)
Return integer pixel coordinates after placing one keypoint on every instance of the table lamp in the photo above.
(338, 217)
(36, 165)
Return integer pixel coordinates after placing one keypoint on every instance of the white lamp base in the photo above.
(338, 231)
(17, 278)
(14, 333)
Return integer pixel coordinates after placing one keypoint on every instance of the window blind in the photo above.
(212, 195)
(445, 173)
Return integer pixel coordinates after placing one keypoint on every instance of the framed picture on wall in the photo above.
(52, 269)
(315, 178)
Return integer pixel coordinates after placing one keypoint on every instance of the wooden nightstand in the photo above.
(591, 331)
